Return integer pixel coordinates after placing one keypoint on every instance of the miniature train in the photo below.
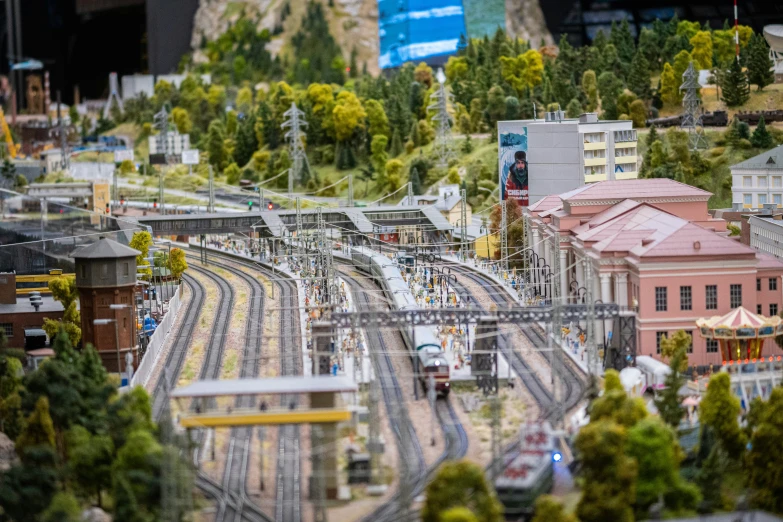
(428, 351)
(720, 118)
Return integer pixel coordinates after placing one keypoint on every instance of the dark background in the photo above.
(81, 41)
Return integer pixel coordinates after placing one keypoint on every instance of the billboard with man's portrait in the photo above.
(512, 164)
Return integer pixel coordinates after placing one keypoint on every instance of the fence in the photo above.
(155, 346)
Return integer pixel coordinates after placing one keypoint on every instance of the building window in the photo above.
(758, 285)
(712, 346)
(686, 302)
(777, 199)
(777, 181)
(7, 329)
(762, 182)
(747, 199)
(660, 298)
(758, 309)
(659, 336)
(773, 283)
(762, 200)
(690, 344)
(735, 296)
(747, 181)
(711, 297)
(773, 309)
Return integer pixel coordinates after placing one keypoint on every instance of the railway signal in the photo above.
(269, 205)
(250, 206)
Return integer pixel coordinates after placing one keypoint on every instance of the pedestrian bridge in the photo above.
(277, 223)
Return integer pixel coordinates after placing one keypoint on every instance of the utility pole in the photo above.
(161, 192)
(294, 123)
(691, 119)
(464, 225)
(503, 235)
(443, 148)
(299, 245)
(211, 208)
(590, 346)
(66, 158)
(375, 438)
(410, 193)
(350, 190)
(115, 196)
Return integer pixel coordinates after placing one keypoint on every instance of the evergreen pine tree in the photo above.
(415, 181)
(652, 137)
(759, 64)
(246, 141)
(622, 38)
(669, 401)
(354, 66)
(761, 137)
(415, 137)
(639, 76)
(574, 108)
(396, 144)
(467, 145)
(736, 90)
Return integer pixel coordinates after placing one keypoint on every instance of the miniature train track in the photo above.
(288, 482)
(572, 382)
(456, 439)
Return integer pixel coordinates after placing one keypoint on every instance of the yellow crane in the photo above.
(13, 148)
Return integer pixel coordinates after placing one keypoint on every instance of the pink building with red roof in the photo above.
(653, 248)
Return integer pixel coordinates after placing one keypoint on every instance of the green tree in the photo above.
(38, 430)
(759, 63)
(735, 85)
(609, 475)
(458, 514)
(379, 157)
(415, 181)
(590, 90)
(550, 509)
(426, 133)
(761, 137)
(142, 241)
(136, 478)
(377, 120)
(461, 484)
(63, 508)
(764, 459)
(615, 404)
(638, 113)
(573, 109)
(670, 88)
(216, 137)
(244, 100)
(526, 71)
(177, 263)
(89, 461)
(233, 173)
(181, 120)
(392, 178)
(669, 401)
(246, 140)
(623, 40)
(720, 410)
(496, 107)
(11, 416)
(639, 76)
(64, 291)
(348, 116)
(396, 144)
(702, 50)
(609, 87)
(654, 447)
(26, 489)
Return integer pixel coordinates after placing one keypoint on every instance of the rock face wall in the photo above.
(354, 23)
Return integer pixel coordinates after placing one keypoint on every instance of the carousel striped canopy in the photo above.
(740, 323)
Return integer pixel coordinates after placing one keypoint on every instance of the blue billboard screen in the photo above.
(418, 30)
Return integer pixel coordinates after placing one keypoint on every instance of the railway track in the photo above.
(456, 439)
(288, 496)
(572, 382)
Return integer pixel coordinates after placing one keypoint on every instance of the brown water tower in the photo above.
(105, 278)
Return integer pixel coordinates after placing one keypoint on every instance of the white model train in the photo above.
(421, 340)
(653, 371)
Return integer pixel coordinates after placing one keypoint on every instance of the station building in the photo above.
(653, 248)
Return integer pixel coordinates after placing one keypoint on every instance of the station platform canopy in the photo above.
(268, 386)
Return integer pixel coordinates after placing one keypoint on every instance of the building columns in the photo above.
(606, 297)
(563, 274)
(622, 285)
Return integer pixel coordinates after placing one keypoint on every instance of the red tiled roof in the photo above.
(634, 189)
(665, 235)
(548, 203)
(768, 261)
